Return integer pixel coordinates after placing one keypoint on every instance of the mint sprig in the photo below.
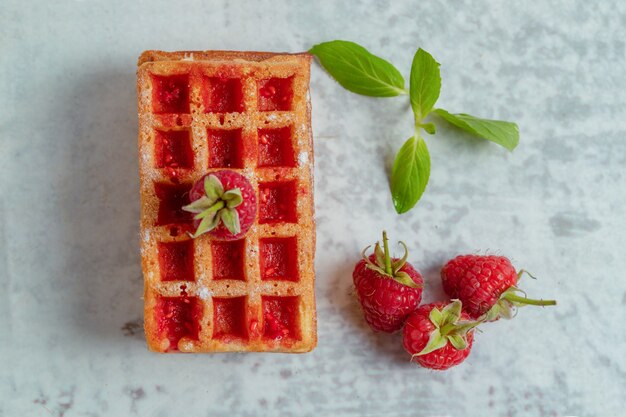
(361, 72)
(411, 168)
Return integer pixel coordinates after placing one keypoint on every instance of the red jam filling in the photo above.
(228, 259)
(279, 259)
(277, 202)
(173, 149)
(225, 148)
(280, 315)
(229, 318)
(176, 261)
(222, 95)
(178, 317)
(275, 94)
(275, 148)
(172, 199)
(170, 94)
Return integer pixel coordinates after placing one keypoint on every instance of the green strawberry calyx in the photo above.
(216, 206)
(385, 266)
(511, 299)
(449, 328)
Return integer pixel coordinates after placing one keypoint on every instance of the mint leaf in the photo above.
(498, 131)
(359, 71)
(410, 173)
(429, 128)
(425, 83)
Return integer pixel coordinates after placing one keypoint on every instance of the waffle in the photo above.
(248, 112)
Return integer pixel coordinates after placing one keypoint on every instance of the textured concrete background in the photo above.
(70, 307)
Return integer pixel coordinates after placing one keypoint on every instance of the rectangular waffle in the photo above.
(248, 112)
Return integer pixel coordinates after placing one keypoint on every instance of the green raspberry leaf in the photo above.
(435, 342)
(503, 133)
(213, 188)
(405, 279)
(233, 198)
(380, 255)
(410, 173)
(398, 264)
(425, 83)
(457, 341)
(207, 224)
(199, 205)
(452, 312)
(359, 71)
(492, 314)
(230, 217)
(436, 317)
(464, 326)
(209, 211)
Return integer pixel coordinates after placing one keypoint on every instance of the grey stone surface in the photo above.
(71, 343)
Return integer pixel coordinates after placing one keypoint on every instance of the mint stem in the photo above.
(388, 269)
(418, 127)
(529, 301)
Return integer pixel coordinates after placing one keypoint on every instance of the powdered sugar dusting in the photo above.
(303, 158)
(204, 293)
(185, 345)
(146, 235)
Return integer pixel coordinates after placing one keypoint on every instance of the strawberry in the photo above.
(388, 289)
(486, 285)
(439, 336)
(224, 204)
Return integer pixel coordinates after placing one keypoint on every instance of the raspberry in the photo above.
(452, 323)
(388, 289)
(485, 284)
(224, 203)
